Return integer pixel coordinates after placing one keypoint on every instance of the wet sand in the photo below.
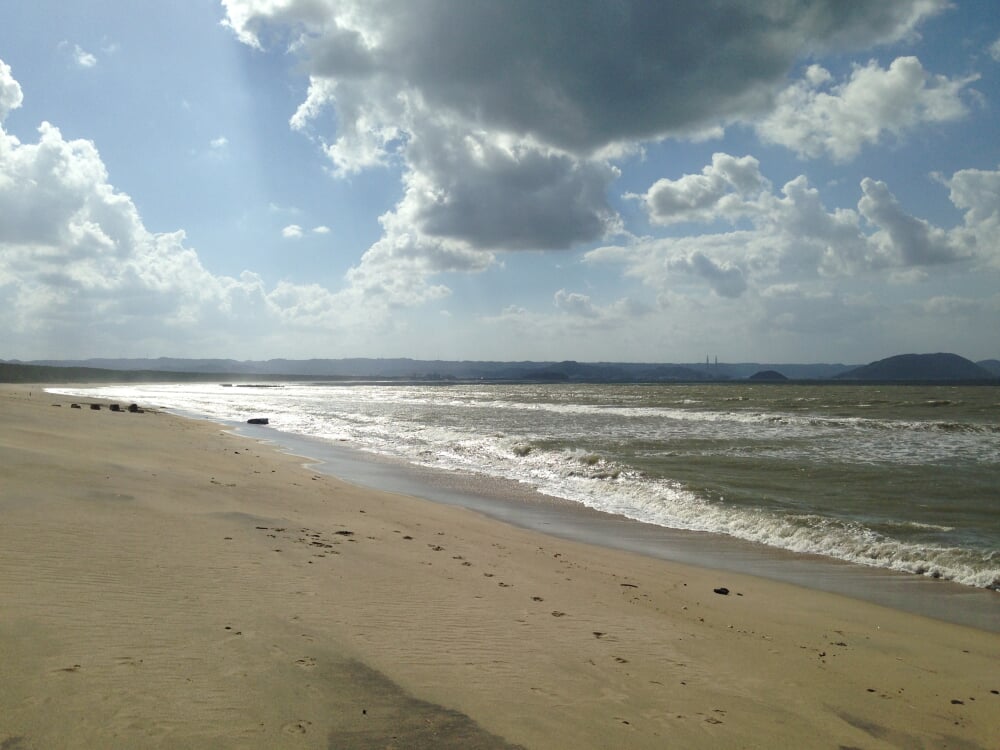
(166, 584)
(517, 504)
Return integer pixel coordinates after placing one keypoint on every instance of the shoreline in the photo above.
(881, 569)
(906, 592)
(165, 583)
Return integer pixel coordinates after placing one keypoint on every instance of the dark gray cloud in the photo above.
(580, 74)
(914, 241)
(512, 198)
(726, 280)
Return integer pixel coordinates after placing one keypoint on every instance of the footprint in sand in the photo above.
(296, 727)
(306, 662)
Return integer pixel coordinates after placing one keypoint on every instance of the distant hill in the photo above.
(920, 367)
(993, 365)
(768, 375)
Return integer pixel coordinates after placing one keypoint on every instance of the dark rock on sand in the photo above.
(722, 590)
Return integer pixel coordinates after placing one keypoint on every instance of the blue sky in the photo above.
(786, 181)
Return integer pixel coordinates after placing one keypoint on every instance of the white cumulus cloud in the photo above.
(816, 117)
(83, 58)
(80, 273)
(794, 237)
(723, 189)
(80, 57)
(994, 50)
(11, 96)
(977, 193)
(575, 304)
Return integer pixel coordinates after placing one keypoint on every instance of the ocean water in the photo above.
(899, 477)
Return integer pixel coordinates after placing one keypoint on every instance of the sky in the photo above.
(596, 180)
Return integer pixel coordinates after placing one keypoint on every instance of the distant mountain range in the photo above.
(905, 367)
(413, 369)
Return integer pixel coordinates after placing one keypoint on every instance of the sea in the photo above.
(893, 477)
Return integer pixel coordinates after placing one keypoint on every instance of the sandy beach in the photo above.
(166, 584)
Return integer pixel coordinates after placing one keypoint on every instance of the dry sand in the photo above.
(165, 584)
